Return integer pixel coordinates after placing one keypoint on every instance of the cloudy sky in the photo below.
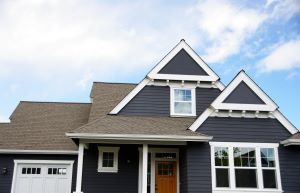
(54, 50)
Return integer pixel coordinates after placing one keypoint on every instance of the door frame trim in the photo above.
(153, 159)
(43, 162)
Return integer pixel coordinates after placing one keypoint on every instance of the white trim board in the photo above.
(268, 106)
(153, 74)
(137, 137)
(130, 96)
(289, 142)
(14, 151)
(243, 77)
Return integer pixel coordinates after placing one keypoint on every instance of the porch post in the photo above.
(145, 167)
(79, 168)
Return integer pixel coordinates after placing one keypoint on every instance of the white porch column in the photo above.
(79, 168)
(145, 167)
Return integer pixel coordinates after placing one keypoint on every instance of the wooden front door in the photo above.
(165, 177)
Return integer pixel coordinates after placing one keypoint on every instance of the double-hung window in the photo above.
(183, 102)
(108, 159)
(245, 166)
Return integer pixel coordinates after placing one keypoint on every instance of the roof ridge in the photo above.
(100, 82)
(55, 102)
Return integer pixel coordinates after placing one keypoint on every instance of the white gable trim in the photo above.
(153, 74)
(268, 106)
(242, 76)
(130, 96)
(285, 122)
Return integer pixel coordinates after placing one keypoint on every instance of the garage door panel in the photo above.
(50, 185)
(23, 185)
(61, 188)
(43, 178)
(37, 185)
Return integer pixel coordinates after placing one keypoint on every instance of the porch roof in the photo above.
(139, 128)
(293, 140)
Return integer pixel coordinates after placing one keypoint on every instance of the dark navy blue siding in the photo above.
(125, 181)
(7, 161)
(183, 170)
(242, 94)
(198, 168)
(204, 97)
(151, 101)
(244, 130)
(241, 130)
(155, 101)
(182, 63)
(289, 158)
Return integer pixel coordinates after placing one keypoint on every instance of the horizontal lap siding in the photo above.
(7, 161)
(289, 158)
(125, 181)
(204, 97)
(198, 168)
(244, 130)
(151, 101)
(155, 101)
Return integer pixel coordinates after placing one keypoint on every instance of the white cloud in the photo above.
(284, 9)
(3, 119)
(284, 57)
(226, 26)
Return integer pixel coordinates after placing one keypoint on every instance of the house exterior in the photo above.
(180, 130)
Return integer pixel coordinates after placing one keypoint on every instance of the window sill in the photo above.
(108, 170)
(183, 115)
(246, 190)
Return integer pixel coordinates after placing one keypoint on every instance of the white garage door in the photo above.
(43, 178)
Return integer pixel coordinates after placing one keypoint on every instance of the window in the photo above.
(183, 102)
(33, 171)
(57, 171)
(108, 159)
(240, 166)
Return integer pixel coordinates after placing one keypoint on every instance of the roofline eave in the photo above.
(138, 137)
(289, 142)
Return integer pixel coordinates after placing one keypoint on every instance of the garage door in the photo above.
(43, 178)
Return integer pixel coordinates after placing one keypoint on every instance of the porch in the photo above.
(153, 167)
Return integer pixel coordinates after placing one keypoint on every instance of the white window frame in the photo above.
(232, 186)
(114, 150)
(172, 101)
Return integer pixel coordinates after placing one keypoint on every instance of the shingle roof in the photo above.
(42, 126)
(112, 124)
(106, 96)
(295, 136)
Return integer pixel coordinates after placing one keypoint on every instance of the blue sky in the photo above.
(54, 50)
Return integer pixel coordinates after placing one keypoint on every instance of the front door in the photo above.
(165, 177)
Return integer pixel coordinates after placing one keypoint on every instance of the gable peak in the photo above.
(183, 63)
(242, 93)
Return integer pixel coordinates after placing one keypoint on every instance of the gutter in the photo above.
(288, 142)
(135, 137)
(19, 151)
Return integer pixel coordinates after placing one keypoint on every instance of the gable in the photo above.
(182, 63)
(243, 94)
